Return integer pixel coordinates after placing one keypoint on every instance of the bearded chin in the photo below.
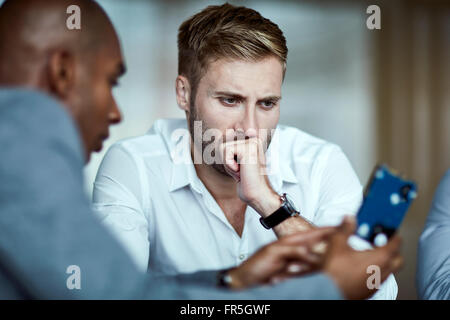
(220, 168)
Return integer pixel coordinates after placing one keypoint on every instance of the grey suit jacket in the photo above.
(433, 262)
(46, 224)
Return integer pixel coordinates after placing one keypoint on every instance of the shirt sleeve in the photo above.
(433, 263)
(340, 192)
(117, 202)
(317, 286)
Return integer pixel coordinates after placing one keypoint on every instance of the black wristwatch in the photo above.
(287, 210)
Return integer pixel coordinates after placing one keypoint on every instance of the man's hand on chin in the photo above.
(244, 161)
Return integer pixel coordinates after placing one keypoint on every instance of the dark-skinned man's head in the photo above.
(78, 67)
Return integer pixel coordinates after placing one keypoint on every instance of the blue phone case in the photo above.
(386, 200)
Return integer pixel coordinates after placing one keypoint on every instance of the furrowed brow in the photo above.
(271, 98)
(229, 94)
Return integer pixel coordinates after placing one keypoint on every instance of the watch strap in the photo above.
(275, 218)
(286, 211)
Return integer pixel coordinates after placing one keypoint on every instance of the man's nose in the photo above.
(114, 115)
(249, 124)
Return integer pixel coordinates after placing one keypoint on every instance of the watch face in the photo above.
(290, 204)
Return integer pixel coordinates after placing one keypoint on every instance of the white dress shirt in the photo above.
(147, 192)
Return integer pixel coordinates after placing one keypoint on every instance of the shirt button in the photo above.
(242, 256)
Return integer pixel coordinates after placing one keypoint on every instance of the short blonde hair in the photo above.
(230, 32)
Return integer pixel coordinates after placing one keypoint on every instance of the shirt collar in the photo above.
(183, 170)
(184, 174)
(279, 166)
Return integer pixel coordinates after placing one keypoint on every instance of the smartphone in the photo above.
(387, 198)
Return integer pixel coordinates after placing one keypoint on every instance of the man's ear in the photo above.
(61, 73)
(183, 92)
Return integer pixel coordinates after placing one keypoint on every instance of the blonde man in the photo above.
(209, 191)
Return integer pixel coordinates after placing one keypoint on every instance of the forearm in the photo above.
(310, 287)
(292, 225)
(268, 204)
(201, 278)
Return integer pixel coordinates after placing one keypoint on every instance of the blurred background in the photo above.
(382, 95)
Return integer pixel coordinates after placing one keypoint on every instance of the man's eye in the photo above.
(229, 101)
(268, 104)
